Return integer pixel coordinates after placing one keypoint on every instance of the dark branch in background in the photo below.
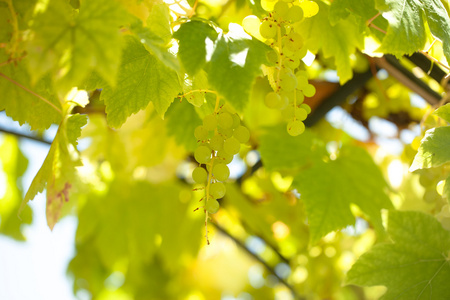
(339, 97)
(26, 136)
(408, 79)
(432, 69)
(259, 259)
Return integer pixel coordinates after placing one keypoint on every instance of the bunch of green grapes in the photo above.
(219, 139)
(289, 82)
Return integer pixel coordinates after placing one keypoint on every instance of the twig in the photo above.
(21, 135)
(259, 259)
(31, 92)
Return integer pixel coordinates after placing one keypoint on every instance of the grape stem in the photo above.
(196, 91)
(211, 164)
(280, 56)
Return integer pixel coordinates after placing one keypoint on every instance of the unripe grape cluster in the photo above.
(219, 139)
(289, 82)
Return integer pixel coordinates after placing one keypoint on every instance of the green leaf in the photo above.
(280, 151)
(14, 165)
(192, 38)
(433, 150)
(443, 112)
(415, 266)
(235, 63)
(22, 101)
(407, 21)
(338, 41)
(182, 119)
(71, 45)
(362, 11)
(446, 192)
(155, 44)
(142, 78)
(328, 190)
(58, 171)
(159, 22)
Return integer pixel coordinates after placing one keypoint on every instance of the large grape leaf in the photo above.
(362, 11)
(407, 30)
(24, 102)
(58, 171)
(72, 44)
(192, 38)
(235, 63)
(433, 150)
(182, 119)
(14, 165)
(142, 78)
(415, 266)
(280, 151)
(339, 40)
(328, 189)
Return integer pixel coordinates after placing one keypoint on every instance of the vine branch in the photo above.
(259, 259)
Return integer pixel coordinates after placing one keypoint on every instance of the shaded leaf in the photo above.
(328, 190)
(415, 266)
(234, 66)
(192, 38)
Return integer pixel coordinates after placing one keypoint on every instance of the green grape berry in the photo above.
(288, 81)
(200, 133)
(224, 157)
(202, 154)
(306, 107)
(217, 190)
(295, 128)
(242, 134)
(216, 142)
(268, 29)
(231, 146)
(226, 133)
(281, 9)
(301, 114)
(288, 112)
(210, 122)
(221, 172)
(199, 175)
(236, 121)
(272, 100)
(294, 41)
(225, 120)
(272, 56)
(212, 206)
(292, 63)
(309, 90)
(295, 14)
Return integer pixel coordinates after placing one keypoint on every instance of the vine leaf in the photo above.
(443, 112)
(192, 37)
(20, 98)
(415, 266)
(339, 40)
(277, 149)
(182, 119)
(142, 78)
(71, 45)
(352, 178)
(235, 63)
(13, 163)
(362, 12)
(433, 150)
(407, 21)
(58, 171)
